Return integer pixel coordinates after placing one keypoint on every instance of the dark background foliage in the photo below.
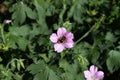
(26, 52)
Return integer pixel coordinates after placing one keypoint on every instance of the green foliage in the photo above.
(110, 37)
(19, 8)
(26, 52)
(113, 62)
(36, 68)
(42, 72)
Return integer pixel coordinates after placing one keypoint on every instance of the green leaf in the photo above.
(17, 76)
(41, 18)
(71, 68)
(0, 59)
(39, 76)
(67, 25)
(21, 63)
(110, 37)
(68, 76)
(41, 3)
(12, 41)
(82, 48)
(23, 30)
(64, 64)
(18, 35)
(51, 75)
(95, 54)
(47, 74)
(22, 43)
(36, 68)
(42, 41)
(80, 76)
(19, 15)
(18, 65)
(113, 61)
(31, 14)
(77, 10)
(44, 56)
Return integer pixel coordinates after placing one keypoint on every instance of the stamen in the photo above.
(62, 39)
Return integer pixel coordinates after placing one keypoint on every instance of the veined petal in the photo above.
(54, 38)
(87, 75)
(58, 47)
(69, 44)
(93, 69)
(99, 75)
(69, 35)
(61, 31)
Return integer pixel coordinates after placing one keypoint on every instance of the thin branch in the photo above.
(2, 33)
(97, 24)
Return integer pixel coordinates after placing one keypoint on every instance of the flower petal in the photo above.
(58, 47)
(87, 74)
(93, 69)
(61, 31)
(54, 38)
(89, 79)
(97, 79)
(8, 21)
(99, 75)
(69, 35)
(69, 44)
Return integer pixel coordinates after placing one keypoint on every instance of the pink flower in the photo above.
(62, 39)
(93, 73)
(7, 21)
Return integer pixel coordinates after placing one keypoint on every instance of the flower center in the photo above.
(62, 39)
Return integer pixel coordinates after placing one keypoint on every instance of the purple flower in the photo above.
(62, 39)
(93, 73)
(7, 21)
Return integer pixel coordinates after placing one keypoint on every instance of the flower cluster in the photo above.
(62, 39)
(93, 73)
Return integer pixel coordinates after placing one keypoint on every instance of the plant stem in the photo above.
(2, 34)
(85, 35)
(96, 25)
(10, 63)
